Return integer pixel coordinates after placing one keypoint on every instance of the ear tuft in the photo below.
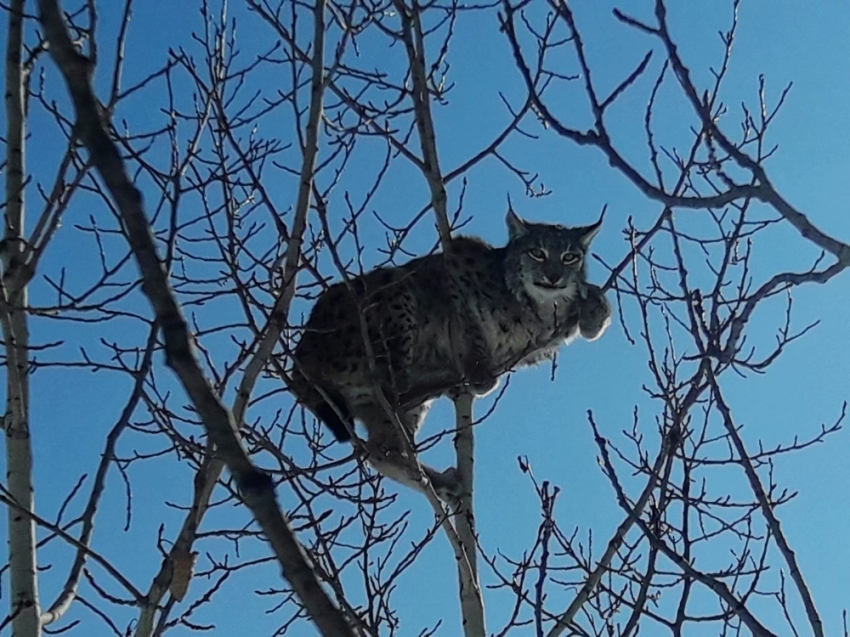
(516, 226)
(588, 232)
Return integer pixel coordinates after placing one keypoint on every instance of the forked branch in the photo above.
(255, 486)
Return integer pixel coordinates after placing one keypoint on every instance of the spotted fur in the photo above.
(441, 322)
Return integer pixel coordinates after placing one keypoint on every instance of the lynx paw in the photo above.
(446, 483)
(479, 377)
(594, 313)
(482, 380)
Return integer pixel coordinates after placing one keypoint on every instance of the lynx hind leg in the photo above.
(387, 450)
(393, 464)
(595, 313)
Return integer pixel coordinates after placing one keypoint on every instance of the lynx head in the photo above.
(546, 261)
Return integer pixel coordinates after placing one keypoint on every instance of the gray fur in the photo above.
(440, 323)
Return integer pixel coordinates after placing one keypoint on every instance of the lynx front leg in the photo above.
(594, 312)
(392, 328)
(477, 367)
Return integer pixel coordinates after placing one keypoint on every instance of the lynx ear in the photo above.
(588, 232)
(516, 226)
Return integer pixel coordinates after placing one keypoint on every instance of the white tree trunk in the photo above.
(22, 563)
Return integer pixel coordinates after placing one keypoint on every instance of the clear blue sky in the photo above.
(804, 43)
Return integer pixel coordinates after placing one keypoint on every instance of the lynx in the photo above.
(440, 324)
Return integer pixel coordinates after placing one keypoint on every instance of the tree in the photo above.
(196, 190)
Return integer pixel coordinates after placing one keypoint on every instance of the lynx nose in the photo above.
(553, 277)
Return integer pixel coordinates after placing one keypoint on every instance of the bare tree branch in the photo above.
(767, 509)
(255, 486)
(13, 300)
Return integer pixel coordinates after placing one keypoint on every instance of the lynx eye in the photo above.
(537, 254)
(568, 258)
